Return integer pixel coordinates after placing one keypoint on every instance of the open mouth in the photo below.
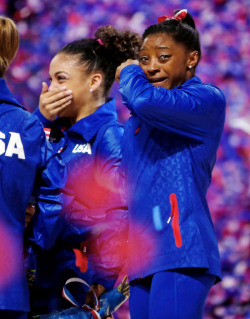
(158, 80)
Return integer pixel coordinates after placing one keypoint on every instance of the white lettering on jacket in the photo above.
(15, 145)
(82, 148)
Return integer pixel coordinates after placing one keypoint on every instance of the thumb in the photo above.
(45, 87)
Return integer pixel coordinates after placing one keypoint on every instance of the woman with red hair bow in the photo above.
(173, 133)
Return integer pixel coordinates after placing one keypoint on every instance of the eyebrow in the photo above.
(61, 72)
(159, 48)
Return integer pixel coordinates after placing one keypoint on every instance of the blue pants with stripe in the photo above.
(178, 294)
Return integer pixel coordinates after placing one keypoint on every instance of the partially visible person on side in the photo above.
(28, 165)
(169, 151)
(82, 123)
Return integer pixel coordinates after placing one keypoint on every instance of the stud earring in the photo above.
(90, 90)
(190, 66)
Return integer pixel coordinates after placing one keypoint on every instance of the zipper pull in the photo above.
(170, 218)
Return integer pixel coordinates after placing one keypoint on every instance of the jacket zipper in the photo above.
(175, 220)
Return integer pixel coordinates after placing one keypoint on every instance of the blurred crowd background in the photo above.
(46, 25)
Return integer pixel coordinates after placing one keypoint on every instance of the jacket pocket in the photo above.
(175, 220)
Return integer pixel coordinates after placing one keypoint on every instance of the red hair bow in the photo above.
(178, 16)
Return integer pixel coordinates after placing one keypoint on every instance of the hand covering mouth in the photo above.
(157, 80)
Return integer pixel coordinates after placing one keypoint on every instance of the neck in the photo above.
(88, 109)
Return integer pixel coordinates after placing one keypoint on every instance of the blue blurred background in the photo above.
(46, 25)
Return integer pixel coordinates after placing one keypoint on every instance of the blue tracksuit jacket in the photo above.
(91, 149)
(27, 162)
(169, 151)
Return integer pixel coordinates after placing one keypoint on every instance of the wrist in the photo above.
(98, 289)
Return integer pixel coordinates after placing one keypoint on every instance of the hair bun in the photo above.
(188, 19)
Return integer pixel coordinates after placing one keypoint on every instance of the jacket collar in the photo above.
(193, 80)
(6, 96)
(88, 126)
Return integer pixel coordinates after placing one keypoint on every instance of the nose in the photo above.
(54, 85)
(153, 67)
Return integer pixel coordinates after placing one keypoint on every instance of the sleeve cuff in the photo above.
(130, 67)
(42, 118)
(108, 283)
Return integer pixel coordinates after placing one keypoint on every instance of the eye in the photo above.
(61, 78)
(164, 57)
(143, 60)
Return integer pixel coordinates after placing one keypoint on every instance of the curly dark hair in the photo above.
(105, 52)
(182, 31)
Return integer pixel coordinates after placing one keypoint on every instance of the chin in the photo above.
(62, 115)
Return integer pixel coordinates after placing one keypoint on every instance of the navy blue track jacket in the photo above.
(91, 149)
